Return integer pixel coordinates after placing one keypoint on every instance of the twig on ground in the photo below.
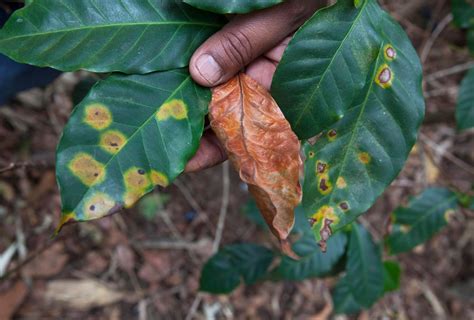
(433, 300)
(449, 71)
(171, 244)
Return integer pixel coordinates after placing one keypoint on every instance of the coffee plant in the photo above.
(347, 93)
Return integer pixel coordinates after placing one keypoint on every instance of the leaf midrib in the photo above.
(308, 101)
(137, 131)
(112, 25)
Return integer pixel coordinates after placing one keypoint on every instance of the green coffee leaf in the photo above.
(465, 105)
(354, 162)
(391, 276)
(128, 135)
(364, 267)
(135, 36)
(313, 262)
(343, 298)
(463, 13)
(327, 66)
(232, 6)
(424, 216)
(224, 271)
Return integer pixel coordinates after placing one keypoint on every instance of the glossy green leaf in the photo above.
(465, 105)
(348, 168)
(224, 271)
(424, 216)
(131, 36)
(463, 13)
(232, 6)
(313, 262)
(128, 135)
(364, 267)
(343, 298)
(327, 66)
(391, 276)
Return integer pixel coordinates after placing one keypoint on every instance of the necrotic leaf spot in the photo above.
(98, 205)
(112, 141)
(389, 52)
(97, 116)
(384, 76)
(87, 169)
(364, 157)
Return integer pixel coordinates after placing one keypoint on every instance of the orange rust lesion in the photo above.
(341, 183)
(112, 141)
(98, 205)
(137, 183)
(364, 158)
(159, 178)
(98, 116)
(88, 170)
(175, 108)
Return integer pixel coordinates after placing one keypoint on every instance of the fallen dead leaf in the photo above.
(81, 294)
(263, 148)
(12, 299)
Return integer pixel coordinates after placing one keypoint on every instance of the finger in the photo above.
(245, 38)
(263, 68)
(209, 154)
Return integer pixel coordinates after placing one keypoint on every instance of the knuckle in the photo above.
(237, 47)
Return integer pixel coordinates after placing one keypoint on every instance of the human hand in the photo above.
(254, 41)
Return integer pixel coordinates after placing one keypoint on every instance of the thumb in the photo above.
(245, 38)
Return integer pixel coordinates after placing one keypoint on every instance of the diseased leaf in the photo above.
(232, 6)
(424, 216)
(128, 135)
(348, 168)
(463, 13)
(324, 71)
(132, 36)
(364, 267)
(465, 105)
(224, 271)
(261, 146)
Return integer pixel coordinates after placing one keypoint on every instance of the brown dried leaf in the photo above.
(262, 147)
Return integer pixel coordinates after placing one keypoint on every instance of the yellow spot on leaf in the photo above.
(112, 141)
(131, 197)
(87, 169)
(98, 205)
(324, 185)
(384, 77)
(341, 183)
(159, 178)
(98, 116)
(325, 212)
(137, 180)
(389, 52)
(364, 157)
(311, 154)
(448, 215)
(332, 135)
(175, 108)
(405, 228)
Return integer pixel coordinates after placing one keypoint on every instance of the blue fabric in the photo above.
(16, 77)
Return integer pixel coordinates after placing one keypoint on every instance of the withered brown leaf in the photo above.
(263, 148)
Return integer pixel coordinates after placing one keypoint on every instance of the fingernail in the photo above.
(209, 68)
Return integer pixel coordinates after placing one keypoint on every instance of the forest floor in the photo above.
(145, 263)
